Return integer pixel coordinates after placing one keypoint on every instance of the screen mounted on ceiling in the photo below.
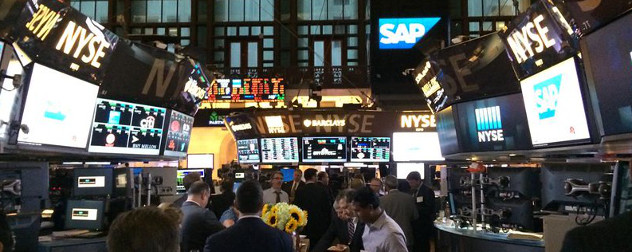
(370, 149)
(127, 128)
(248, 151)
(178, 134)
(554, 105)
(58, 109)
(416, 146)
(279, 150)
(324, 149)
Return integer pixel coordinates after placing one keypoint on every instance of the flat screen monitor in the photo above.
(554, 105)
(92, 181)
(279, 150)
(553, 176)
(182, 173)
(58, 109)
(524, 181)
(370, 149)
(324, 149)
(248, 151)
(200, 161)
(609, 70)
(178, 134)
(84, 214)
(416, 146)
(127, 128)
(288, 174)
(403, 169)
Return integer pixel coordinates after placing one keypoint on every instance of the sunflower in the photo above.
(291, 226)
(272, 220)
(265, 209)
(296, 214)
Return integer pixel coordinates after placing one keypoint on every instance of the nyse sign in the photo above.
(489, 125)
(530, 39)
(351, 123)
(420, 122)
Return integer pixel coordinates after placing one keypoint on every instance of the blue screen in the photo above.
(288, 174)
(403, 33)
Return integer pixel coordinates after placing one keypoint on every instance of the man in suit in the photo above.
(291, 187)
(187, 181)
(376, 186)
(401, 207)
(250, 233)
(221, 202)
(198, 222)
(423, 228)
(344, 226)
(274, 194)
(323, 180)
(608, 235)
(315, 199)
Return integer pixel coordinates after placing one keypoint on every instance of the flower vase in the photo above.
(296, 241)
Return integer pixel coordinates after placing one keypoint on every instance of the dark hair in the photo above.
(321, 175)
(226, 185)
(198, 187)
(414, 176)
(365, 197)
(310, 173)
(347, 195)
(249, 197)
(6, 238)
(190, 178)
(391, 182)
(143, 229)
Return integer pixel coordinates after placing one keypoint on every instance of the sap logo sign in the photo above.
(403, 33)
(546, 96)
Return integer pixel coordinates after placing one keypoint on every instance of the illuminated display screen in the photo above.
(279, 150)
(127, 128)
(246, 90)
(182, 173)
(370, 149)
(201, 161)
(178, 134)
(416, 146)
(248, 151)
(324, 149)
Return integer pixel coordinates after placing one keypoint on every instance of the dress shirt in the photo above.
(269, 196)
(384, 235)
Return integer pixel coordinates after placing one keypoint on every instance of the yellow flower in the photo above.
(304, 221)
(296, 214)
(272, 220)
(291, 226)
(265, 209)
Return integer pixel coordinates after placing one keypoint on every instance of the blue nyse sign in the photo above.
(404, 33)
(489, 125)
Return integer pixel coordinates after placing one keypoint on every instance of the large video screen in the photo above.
(127, 128)
(554, 105)
(246, 90)
(279, 150)
(58, 109)
(370, 149)
(403, 169)
(178, 134)
(609, 70)
(324, 149)
(416, 146)
(201, 161)
(248, 151)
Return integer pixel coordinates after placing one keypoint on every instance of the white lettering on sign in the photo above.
(77, 38)
(530, 40)
(192, 88)
(324, 123)
(42, 22)
(409, 33)
(240, 127)
(490, 136)
(418, 121)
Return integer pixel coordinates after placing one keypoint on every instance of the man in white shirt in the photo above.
(274, 194)
(381, 234)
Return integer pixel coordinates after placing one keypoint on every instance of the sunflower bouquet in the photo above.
(283, 216)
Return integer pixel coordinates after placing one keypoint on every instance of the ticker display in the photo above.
(246, 90)
(279, 150)
(248, 151)
(324, 149)
(370, 149)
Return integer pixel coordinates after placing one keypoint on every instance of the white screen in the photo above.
(58, 109)
(404, 168)
(200, 161)
(91, 181)
(416, 146)
(553, 101)
(84, 214)
(279, 150)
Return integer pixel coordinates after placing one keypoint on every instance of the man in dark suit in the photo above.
(221, 202)
(344, 226)
(401, 207)
(250, 233)
(423, 228)
(198, 222)
(187, 181)
(315, 199)
(609, 235)
(291, 187)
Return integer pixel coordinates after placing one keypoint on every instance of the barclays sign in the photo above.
(403, 33)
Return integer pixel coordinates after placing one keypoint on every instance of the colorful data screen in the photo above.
(324, 149)
(279, 150)
(127, 128)
(178, 134)
(246, 90)
(248, 151)
(370, 149)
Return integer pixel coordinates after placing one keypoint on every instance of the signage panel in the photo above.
(178, 134)
(403, 33)
(324, 149)
(248, 151)
(370, 149)
(246, 90)
(279, 150)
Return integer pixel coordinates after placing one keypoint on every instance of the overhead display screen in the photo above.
(58, 109)
(248, 151)
(416, 146)
(370, 149)
(205, 161)
(279, 150)
(246, 90)
(554, 105)
(127, 128)
(324, 149)
(609, 71)
(178, 134)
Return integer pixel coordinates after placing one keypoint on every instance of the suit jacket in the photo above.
(424, 227)
(339, 229)
(609, 235)
(221, 202)
(287, 187)
(178, 203)
(313, 198)
(198, 224)
(401, 207)
(249, 235)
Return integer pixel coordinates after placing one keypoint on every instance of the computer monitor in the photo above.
(182, 173)
(554, 193)
(200, 161)
(324, 149)
(92, 181)
(288, 174)
(370, 149)
(84, 214)
(515, 213)
(403, 169)
(511, 180)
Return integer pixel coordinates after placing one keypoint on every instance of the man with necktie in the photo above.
(291, 187)
(274, 194)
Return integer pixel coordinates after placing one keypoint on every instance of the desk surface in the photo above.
(480, 234)
(71, 242)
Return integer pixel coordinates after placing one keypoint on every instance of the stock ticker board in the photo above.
(246, 90)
